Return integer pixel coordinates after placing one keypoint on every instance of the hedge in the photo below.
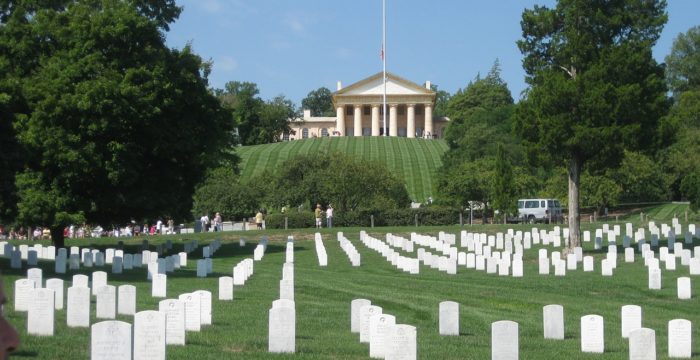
(362, 218)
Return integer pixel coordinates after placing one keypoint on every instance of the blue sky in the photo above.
(291, 47)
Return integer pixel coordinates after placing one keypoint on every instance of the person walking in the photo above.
(317, 215)
(329, 216)
(217, 222)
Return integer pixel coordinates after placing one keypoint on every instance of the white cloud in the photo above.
(298, 22)
(226, 63)
(210, 6)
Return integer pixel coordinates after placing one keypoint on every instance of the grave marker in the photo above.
(680, 338)
(504, 340)
(40, 312)
(401, 343)
(631, 317)
(106, 304)
(592, 334)
(78, 307)
(174, 311)
(282, 329)
(553, 319)
(642, 344)
(379, 329)
(126, 300)
(149, 335)
(449, 318)
(110, 340)
(57, 286)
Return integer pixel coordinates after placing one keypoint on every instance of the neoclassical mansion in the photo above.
(359, 111)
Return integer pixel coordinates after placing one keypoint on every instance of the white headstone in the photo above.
(174, 311)
(57, 286)
(149, 335)
(60, 264)
(110, 340)
(282, 330)
(642, 344)
(78, 307)
(225, 288)
(449, 318)
(201, 268)
(106, 304)
(379, 329)
(680, 338)
(366, 312)
(22, 294)
(631, 317)
(592, 334)
(205, 306)
(504, 340)
(654, 278)
(35, 274)
(159, 286)
(126, 300)
(553, 319)
(193, 311)
(355, 307)
(588, 264)
(401, 343)
(684, 289)
(40, 312)
(99, 279)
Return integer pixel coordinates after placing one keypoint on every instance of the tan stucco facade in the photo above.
(360, 111)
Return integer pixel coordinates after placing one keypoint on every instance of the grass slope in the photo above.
(414, 160)
(323, 296)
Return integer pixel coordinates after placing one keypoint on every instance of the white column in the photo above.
(340, 120)
(393, 121)
(429, 119)
(375, 120)
(411, 120)
(358, 120)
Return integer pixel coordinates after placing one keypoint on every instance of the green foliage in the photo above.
(257, 121)
(112, 123)
(683, 63)
(690, 186)
(320, 102)
(503, 186)
(442, 100)
(346, 182)
(467, 181)
(599, 191)
(488, 93)
(222, 192)
(640, 179)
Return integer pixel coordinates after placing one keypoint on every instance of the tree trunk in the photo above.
(574, 216)
(57, 236)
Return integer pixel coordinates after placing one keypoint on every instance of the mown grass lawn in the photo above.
(414, 160)
(323, 297)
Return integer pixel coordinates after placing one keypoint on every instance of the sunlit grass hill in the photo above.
(414, 160)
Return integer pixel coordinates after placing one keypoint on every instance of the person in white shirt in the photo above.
(329, 216)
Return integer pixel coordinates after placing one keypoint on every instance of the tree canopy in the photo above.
(595, 89)
(319, 101)
(257, 121)
(112, 125)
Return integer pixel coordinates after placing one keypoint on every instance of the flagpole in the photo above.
(386, 132)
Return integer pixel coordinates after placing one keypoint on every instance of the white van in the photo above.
(544, 210)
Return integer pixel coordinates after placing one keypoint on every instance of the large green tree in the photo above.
(683, 63)
(256, 121)
(113, 124)
(595, 88)
(319, 101)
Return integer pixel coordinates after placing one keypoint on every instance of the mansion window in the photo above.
(285, 136)
(349, 110)
(324, 132)
(305, 133)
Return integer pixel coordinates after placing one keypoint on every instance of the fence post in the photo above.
(416, 220)
(461, 222)
(285, 222)
(371, 219)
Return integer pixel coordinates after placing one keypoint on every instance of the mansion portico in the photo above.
(359, 111)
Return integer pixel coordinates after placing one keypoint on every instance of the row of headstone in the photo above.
(404, 263)
(349, 249)
(282, 327)
(113, 339)
(321, 253)
(386, 338)
(259, 250)
(289, 250)
(242, 271)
